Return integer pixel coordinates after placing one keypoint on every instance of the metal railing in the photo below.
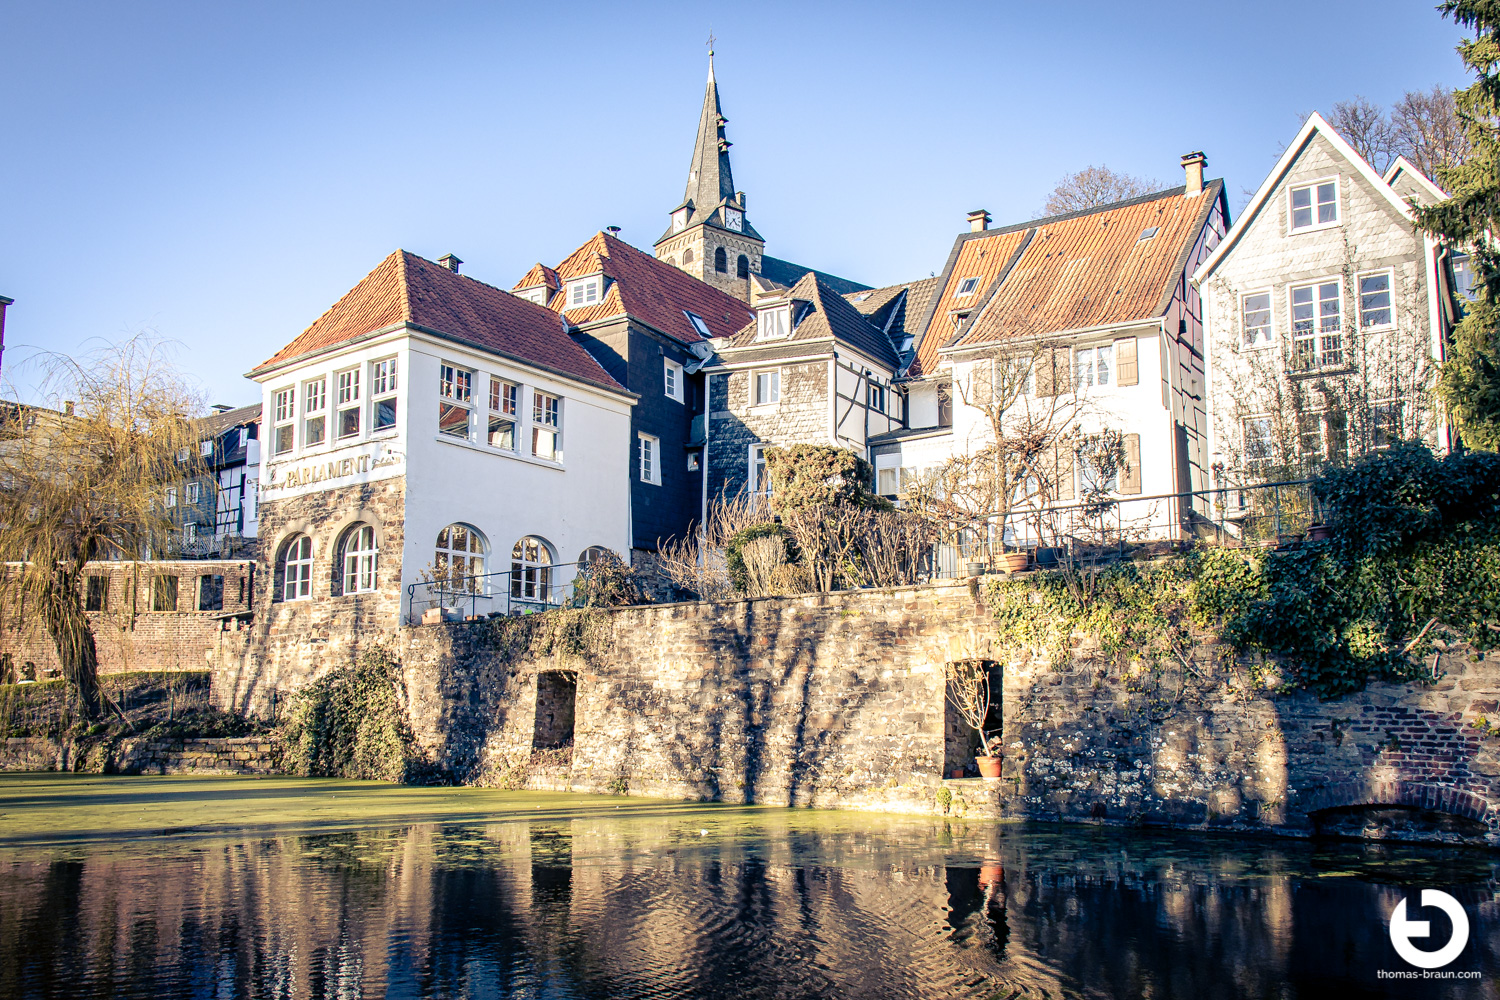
(1255, 515)
(509, 592)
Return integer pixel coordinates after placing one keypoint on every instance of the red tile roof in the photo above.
(1082, 270)
(406, 288)
(649, 290)
(540, 274)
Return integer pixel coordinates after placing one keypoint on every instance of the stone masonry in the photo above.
(802, 416)
(137, 755)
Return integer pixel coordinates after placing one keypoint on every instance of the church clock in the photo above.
(734, 219)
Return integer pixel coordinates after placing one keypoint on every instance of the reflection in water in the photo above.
(764, 904)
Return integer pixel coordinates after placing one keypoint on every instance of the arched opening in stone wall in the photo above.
(556, 705)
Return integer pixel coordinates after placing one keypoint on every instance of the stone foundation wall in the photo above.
(137, 755)
(135, 630)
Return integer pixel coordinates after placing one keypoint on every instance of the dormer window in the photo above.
(967, 286)
(537, 294)
(773, 323)
(583, 292)
(698, 325)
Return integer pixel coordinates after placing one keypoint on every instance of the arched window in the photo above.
(721, 261)
(530, 569)
(687, 255)
(459, 559)
(360, 559)
(672, 261)
(742, 267)
(296, 569)
(589, 555)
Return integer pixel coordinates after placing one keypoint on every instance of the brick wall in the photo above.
(149, 617)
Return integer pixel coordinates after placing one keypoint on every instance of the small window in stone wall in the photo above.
(210, 592)
(96, 597)
(164, 593)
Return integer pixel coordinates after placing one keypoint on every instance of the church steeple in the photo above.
(708, 235)
(710, 180)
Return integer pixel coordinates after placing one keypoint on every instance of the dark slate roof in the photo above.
(784, 272)
(710, 181)
(409, 289)
(217, 423)
(897, 309)
(828, 316)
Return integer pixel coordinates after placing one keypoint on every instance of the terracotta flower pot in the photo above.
(989, 767)
(1319, 533)
(1014, 562)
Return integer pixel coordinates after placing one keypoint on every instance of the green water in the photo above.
(243, 887)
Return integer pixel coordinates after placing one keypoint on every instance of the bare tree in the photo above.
(1427, 130)
(1093, 186)
(92, 484)
(1023, 459)
(1365, 127)
(968, 691)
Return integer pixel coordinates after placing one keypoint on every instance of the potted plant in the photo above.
(1014, 562)
(1319, 533)
(967, 689)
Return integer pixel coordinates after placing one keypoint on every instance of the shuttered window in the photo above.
(1130, 476)
(1052, 371)
(1127, 371)
(1062, 464)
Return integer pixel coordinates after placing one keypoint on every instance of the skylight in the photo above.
(967, 286)
(1147, 233)
(862, 296)
(698, 324)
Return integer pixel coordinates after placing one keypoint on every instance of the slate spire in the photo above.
(710, 181)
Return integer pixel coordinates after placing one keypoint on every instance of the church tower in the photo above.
(709, 236)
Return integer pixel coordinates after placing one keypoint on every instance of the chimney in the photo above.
(613, 231)
(979, 220)
(450, 262)
(1194, 163)
(739, 196)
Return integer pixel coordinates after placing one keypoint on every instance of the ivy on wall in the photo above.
(1416, 549)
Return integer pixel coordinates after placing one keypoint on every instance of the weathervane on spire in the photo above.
(711, 41)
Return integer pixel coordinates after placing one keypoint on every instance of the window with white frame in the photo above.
(347, 383)
(650, 458)
(190, 532)
(672, 379)
(546, 426)
(504, 409)
(773, 323)
(285, 414)
(890, 481)
(314, 419)
(760, 476)
(1255, 312)
(1317, 326)
(383, 394)
(1315, 205)
(1323, 436)
(1095, 478)
(1258, 446)
(966, 287)
(194, 492)
(458, 558)
(765, 387)
(875, 395)
(455, 398)
(583, 292)
(171, 496)
(1463, 276)
(530, 570)
(360, 558)
(296, 569)
(1093, 365)
(1375, 304)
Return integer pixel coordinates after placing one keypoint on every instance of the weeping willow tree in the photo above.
(85, 479)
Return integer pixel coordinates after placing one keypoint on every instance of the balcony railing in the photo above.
(510, 592)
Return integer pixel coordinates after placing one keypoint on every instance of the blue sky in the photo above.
(220, 173)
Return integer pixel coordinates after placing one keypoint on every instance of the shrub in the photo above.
(820, 475)
(350, 723)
